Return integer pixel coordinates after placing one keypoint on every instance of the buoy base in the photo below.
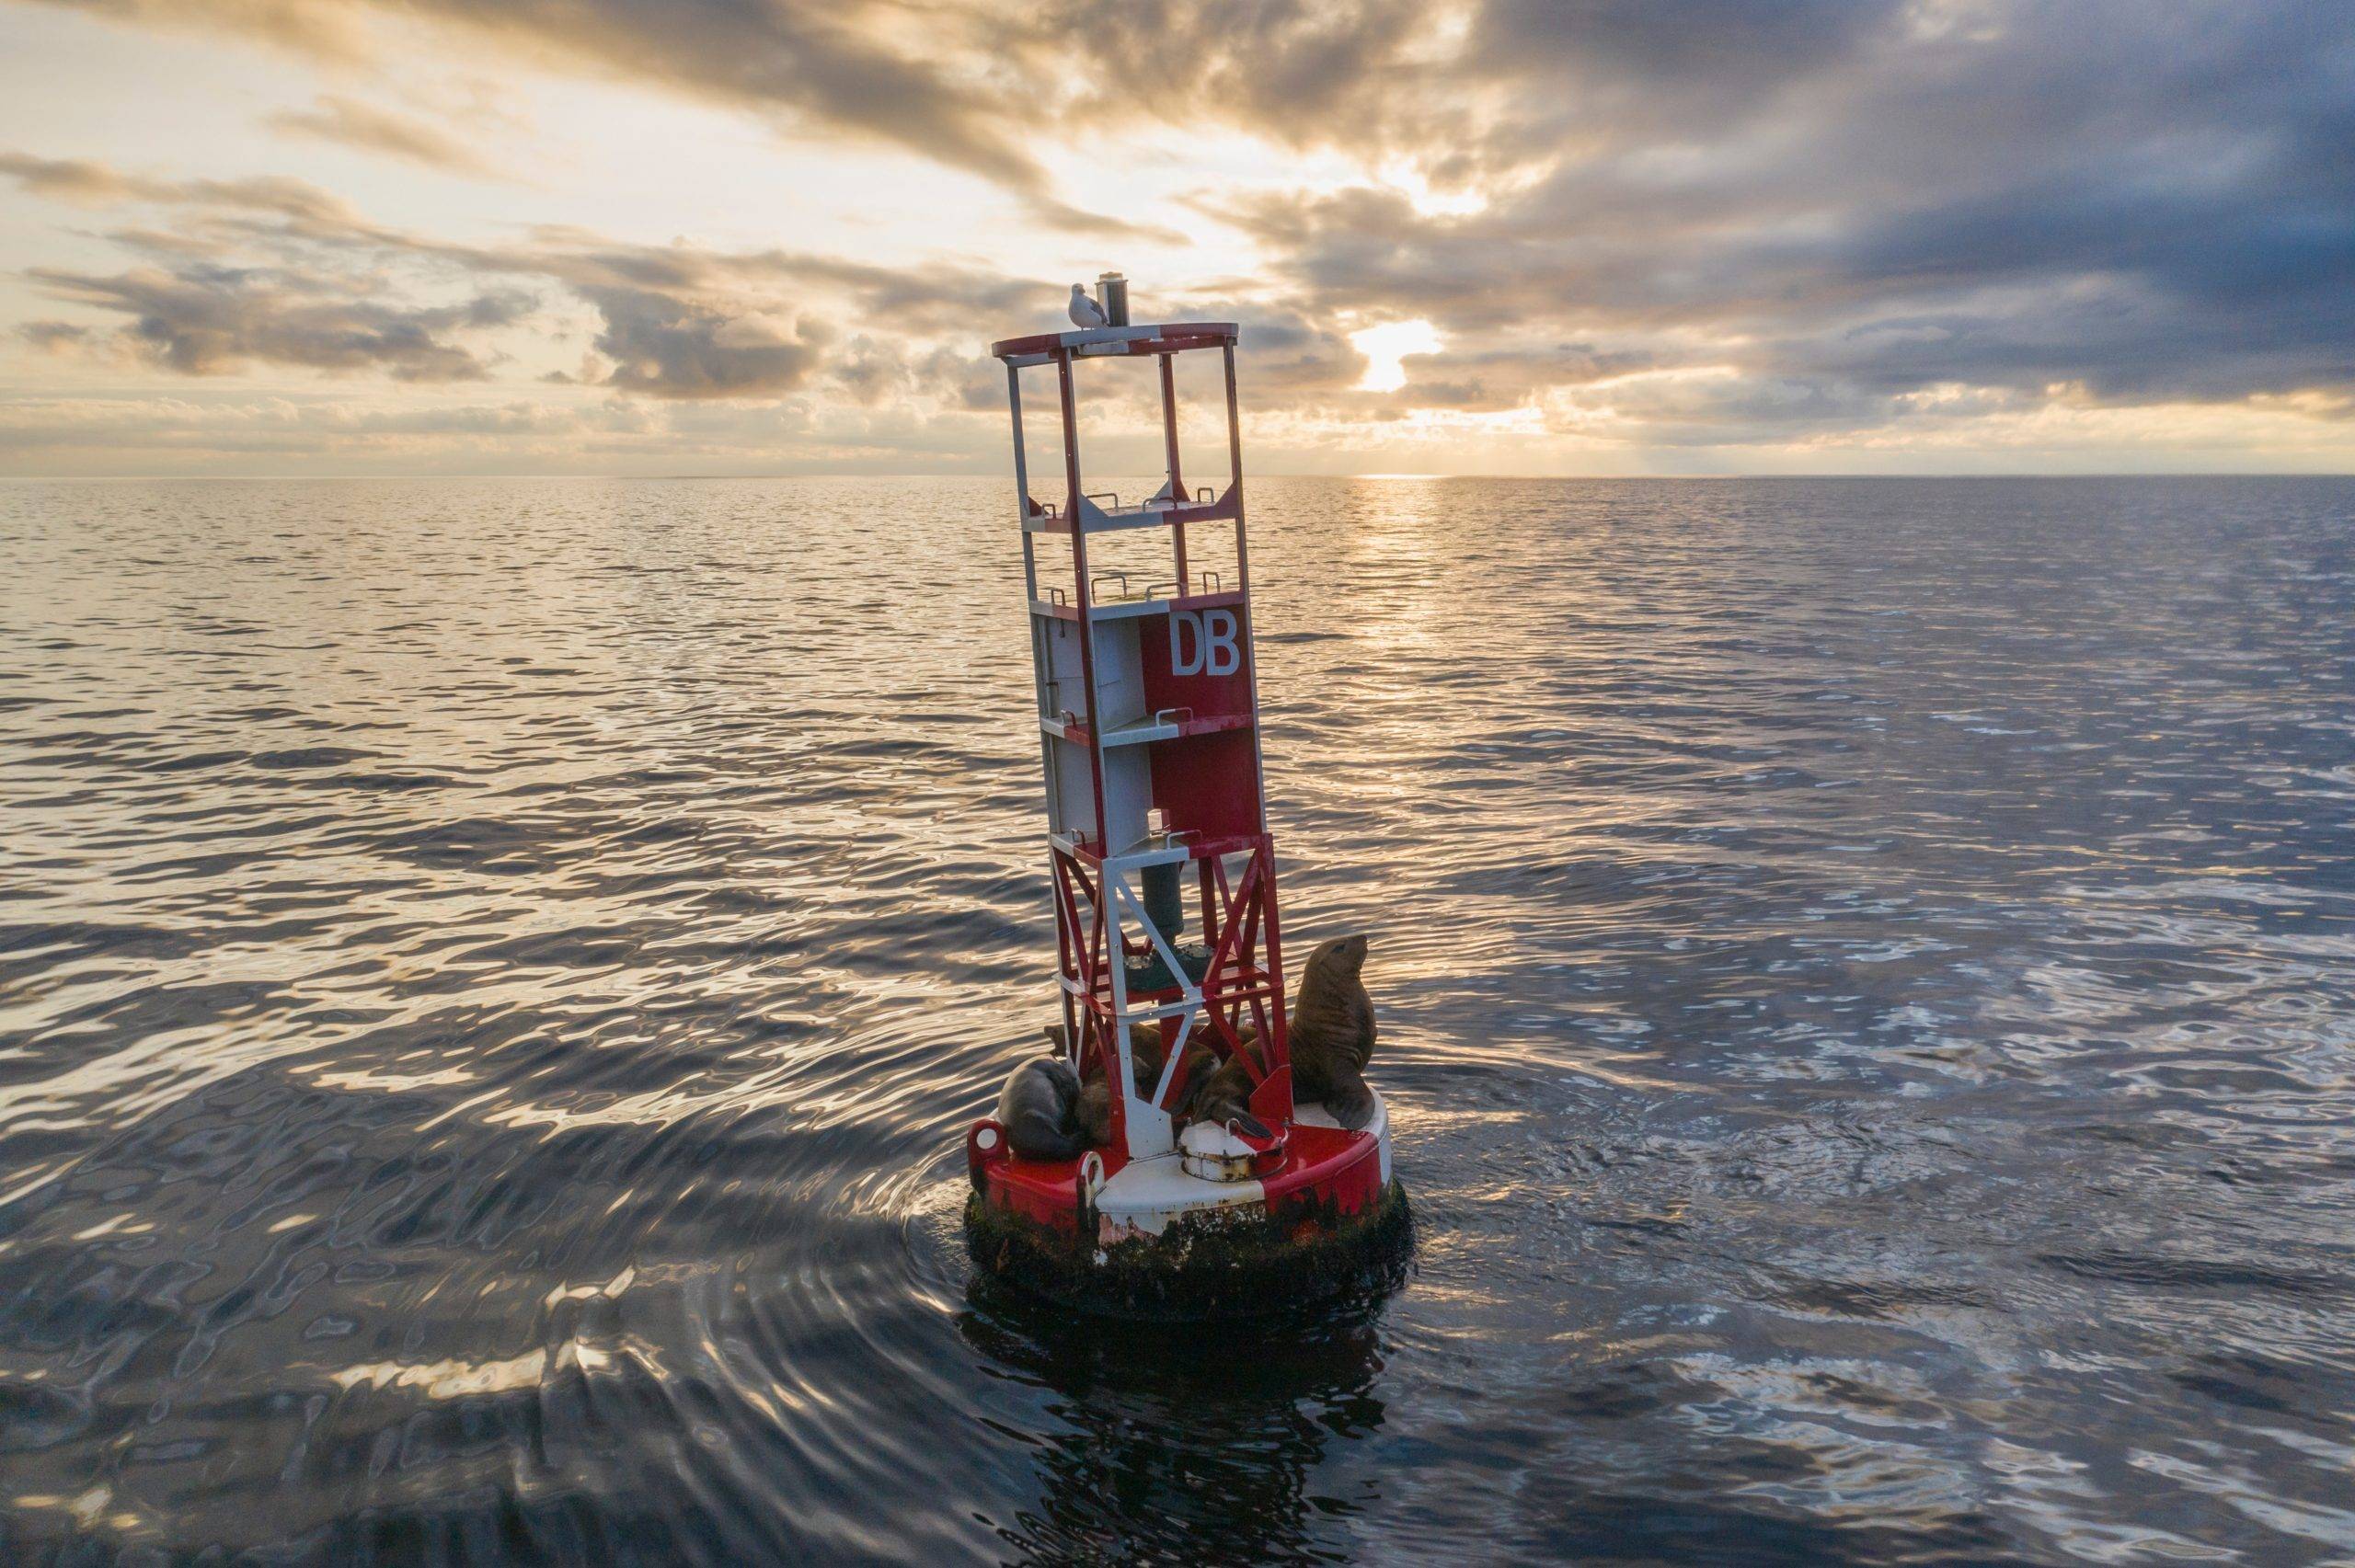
(1233, 1265)
(1154, 1238)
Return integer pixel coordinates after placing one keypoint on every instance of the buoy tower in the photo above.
(1148, 719)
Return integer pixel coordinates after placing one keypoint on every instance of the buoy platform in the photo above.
(1147, 1236)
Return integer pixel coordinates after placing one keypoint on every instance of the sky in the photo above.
(1462, 236)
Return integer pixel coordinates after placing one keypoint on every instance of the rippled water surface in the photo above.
(493, 976)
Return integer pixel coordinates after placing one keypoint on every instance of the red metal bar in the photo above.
(1279, 1036)
(1094, 977)
(1174, 336)
(1223, 992)
(1230, 950)
(1066, 923)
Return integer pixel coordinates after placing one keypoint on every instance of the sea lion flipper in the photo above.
(1349, 1101)
(1034, 1136)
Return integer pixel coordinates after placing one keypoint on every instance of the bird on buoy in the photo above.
(1086, 312)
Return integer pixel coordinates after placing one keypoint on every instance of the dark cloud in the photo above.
(666, 346)
(1856, 202)
(1686, 67)
(1308, 73)
(54, 335)
(836, 65)
(207, 320)
(1719, 219)
(916, 299)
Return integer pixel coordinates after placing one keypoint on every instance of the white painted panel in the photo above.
(1063, 691)
(1120, 675)
(1128, 791)
(1073, 792)
(1145, 1195)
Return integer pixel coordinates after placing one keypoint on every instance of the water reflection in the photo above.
(1184, 1442)
(493, 977)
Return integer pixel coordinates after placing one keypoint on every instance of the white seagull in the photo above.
(1086, 312)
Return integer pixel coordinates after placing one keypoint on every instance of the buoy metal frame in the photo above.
(1148, 718)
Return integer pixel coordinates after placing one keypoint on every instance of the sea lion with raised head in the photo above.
(1332, 1032)
(1036, 1110)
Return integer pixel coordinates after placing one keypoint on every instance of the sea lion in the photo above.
(1220, 1092)
(1332, 1032)
(1094, 1111)
(1145, 1056)
(1035, 1108)
(1215, 1093)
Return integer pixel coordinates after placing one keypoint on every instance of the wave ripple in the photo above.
(492, 976)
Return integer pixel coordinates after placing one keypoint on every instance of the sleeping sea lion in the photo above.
(1215, 1093)
(1035, 1108)
(1220, 1092)
(1332, 1032)
(1144, 1056)
(1094, 1112)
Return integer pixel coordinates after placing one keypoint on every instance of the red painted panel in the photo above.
(1327, 1165)
(1209, 784)
(1200, 658)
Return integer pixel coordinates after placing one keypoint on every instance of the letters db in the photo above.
(1204, 643)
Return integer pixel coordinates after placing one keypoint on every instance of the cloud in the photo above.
(1681, 221)
(69, 179)
(56, 337)
(949, 84)
(1370, 74)
(1846, 205)
(209, 320)
(374, 130)
(90, 184)
(830, 64)
(277, 271)
(667, 347)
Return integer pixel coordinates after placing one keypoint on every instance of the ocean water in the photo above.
(493, 976)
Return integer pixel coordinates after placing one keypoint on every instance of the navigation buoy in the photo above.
(1149, 727)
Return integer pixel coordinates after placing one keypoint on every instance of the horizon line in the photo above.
(952, 474)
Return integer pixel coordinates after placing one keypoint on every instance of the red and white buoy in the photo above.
(1149, 727)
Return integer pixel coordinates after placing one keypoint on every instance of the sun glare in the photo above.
(1384, 346)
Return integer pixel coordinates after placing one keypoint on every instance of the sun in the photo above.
(1384, 346)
